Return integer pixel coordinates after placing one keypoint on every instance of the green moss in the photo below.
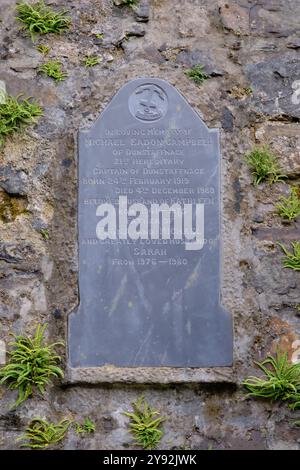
(11, 207)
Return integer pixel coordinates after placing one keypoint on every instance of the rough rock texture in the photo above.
(242, 44)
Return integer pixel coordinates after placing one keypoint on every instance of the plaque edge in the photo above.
(149, 375)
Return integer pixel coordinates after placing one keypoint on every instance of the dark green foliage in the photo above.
(32, 364)
(39, 18)
(16, 112)
(144, 424)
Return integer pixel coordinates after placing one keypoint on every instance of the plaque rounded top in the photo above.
(148, 102)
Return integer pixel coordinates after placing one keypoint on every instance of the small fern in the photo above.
(53, 69)
(144, 424)
(32, 364)
(289, 207)
(38, 18)
(15, 113)
(264, 165)
(91, 61)
(281, 380)
(197, 74)
(43, 49)
(40, 434)
(87, 427)
(292, 258)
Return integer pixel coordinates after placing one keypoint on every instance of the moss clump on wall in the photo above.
(11, 206)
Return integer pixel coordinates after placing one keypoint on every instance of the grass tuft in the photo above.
(40, 434)
(281, 380)
(264, 165)
(292, 258)
(53, 69)
(197, 74)
(15, 113)
(38, 18)
(144, 424)
(32, 364)
(289, 207)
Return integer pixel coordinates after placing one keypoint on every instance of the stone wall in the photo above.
(242, 44)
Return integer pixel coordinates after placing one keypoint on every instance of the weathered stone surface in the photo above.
(284, 139)
(234, 18)
(271, 18)
(13, 181)
(142, 11)
(294, 44)
(136, 30)
(199, 57)
(158, 375)
(275, 84)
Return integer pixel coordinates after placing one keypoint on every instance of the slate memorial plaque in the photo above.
(149, 236)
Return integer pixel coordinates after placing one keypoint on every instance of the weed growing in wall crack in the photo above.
(144, 424)
(43, 49)
(289, 207)
(40, 434)
(281, 380)
(32, 364)
(53, 69)
(91, 61)
(264, 165)
(87, 427)
(292, 258)
(15, 113)
(130, 3)
(45, 233)
(197, 74)
(38, 18)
